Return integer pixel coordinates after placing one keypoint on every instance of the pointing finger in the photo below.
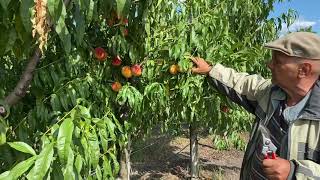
(195, 70)
(194, 59)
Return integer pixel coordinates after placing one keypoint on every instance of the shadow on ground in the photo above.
(166, 157)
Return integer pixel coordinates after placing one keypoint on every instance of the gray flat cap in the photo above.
(298, 44)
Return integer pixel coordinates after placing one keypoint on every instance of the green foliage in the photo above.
(71, 124)
(3, 131)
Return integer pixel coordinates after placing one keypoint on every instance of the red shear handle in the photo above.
(270, 155)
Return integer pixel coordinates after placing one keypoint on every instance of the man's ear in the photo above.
(304, 70)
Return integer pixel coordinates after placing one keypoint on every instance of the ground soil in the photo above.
(165, 157)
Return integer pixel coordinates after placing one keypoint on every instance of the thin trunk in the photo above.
(125, 165)
(194, 164)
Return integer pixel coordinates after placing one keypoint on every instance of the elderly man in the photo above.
(285, 139)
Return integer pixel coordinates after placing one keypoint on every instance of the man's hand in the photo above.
(202, 67)
(276, 169)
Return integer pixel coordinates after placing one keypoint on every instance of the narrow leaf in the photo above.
(5, 175)
(3, 131)
(90, 11)
(4, 3)
(78, 164)
(62, 30)
(121, 7)
(64, 139)
(22, 167)
(98, 173)
(68, 172)
(80, 25)
(26, 12)
(111, 128)
(42, 163)
(23, 147)
(94, 148)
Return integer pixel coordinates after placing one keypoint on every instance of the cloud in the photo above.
(298, 24)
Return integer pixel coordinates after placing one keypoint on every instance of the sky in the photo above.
(308, 14)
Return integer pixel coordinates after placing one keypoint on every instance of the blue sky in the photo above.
(308, 13)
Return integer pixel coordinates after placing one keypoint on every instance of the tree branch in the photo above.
(24, 83)
(25, 80)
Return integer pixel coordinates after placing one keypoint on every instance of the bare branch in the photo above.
(25, 80)
(24, 83)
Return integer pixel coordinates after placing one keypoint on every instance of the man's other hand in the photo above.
(202, 67)
(276, 169)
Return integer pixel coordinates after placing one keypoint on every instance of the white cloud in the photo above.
(298, 24)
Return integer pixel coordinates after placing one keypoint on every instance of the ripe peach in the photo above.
(224, 108)
(125, 32)
(173, 69)
(116, 86)
(126, 72)
(125, 21)
(136, 70)
(116, 61)
(100, 54)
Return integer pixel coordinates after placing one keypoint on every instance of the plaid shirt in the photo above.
(299, 140)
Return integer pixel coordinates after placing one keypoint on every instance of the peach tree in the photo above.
(80, 78)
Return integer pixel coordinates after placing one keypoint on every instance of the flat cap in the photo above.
(298, 44)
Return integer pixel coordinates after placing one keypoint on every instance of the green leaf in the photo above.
(111, 127)
(63, 31)
(55, 102)
(159, 2)
(23, 147)
(3, 39)
(80, 25)
(78, 164)
(55, 8)
(85, 146)
(3, 131)
(42, 163)
(12, 40)
(63, 99)
(26, 8)
(147, 28)
(107, 171)
(98, 173)
(54, 76)
(122, 7)
(68, 172)
(90, 11)
(116, 164)
(85, 112)
(64, 139)
(103, 139)
(73, 95)
(4, 4)
(22, 167)
(5, 176)
(94, 148)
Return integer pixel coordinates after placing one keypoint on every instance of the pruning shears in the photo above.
(268, 148)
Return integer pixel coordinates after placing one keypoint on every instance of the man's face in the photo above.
(284, 70)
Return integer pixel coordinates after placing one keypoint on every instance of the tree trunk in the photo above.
(125, 165)
(194, 164)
